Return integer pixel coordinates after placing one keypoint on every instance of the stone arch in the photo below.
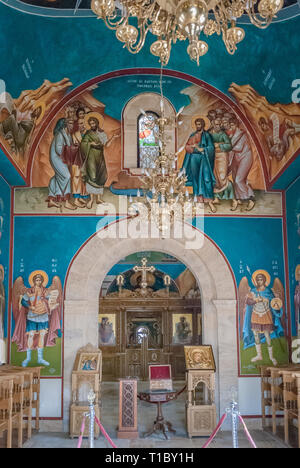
(209, 266)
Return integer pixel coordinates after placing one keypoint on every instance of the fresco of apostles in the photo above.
(21, 118)
(80, 174)
(262, 321)
(218, 160)
(277, 125)
(79, 156)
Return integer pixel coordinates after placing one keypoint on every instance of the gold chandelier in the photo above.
(165, 197)
(172, 20)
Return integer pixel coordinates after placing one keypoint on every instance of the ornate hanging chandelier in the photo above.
(165, 198)
(173, 20)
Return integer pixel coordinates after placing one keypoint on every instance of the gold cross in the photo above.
(144, 269)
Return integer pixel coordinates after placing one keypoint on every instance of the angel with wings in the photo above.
(37, 315)
(262, 313)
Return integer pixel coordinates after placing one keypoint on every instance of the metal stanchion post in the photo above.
(91, 399)
(235, 423)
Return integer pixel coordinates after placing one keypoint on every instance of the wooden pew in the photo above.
(277, 399)
(36, 378)
(297, 377)
(15, 415)
(28, 375)
(290, 398)
(6, 407)
(266, 397)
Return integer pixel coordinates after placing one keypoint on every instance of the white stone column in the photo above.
(81, 327)
(227, 352)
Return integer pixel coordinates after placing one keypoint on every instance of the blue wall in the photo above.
(5, 195)
(293, 228)
(81, 48)
(253, 242)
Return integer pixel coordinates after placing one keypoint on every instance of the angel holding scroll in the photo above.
(262, 317)
(37, 313)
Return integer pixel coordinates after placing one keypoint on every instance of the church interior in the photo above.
(149, 224)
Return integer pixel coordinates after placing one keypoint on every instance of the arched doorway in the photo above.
(209, 266)
(150, 322)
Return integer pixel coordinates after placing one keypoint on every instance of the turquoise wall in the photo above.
(5, 237)
(293, 230)
(49, 243)
(39, 48)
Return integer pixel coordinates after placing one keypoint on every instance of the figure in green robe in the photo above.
(94, 169)
(224, 188)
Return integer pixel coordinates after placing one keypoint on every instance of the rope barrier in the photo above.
(220, 425)
(105, 433)
(247, 432)
(81, 432)
(101, 429)
(215, 431)
(232, 411)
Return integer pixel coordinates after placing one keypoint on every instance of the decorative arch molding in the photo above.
(145, 71)
(209, 266)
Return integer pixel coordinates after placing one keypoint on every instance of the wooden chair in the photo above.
(27, 394)
(36, 378)
(290, 398)
(297, 377)
(27, 403)
(18, 405)
(36, 384)
(6, 407)
(266, 392)
(277, 391)
(16, 416)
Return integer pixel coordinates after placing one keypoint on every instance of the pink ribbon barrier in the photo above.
(247, 432)
(105, 433)
(81, 433)
(215, 431)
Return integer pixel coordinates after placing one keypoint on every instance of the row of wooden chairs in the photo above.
(19, 395)
(280, 391)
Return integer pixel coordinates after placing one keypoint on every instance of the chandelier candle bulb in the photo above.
(173, 20)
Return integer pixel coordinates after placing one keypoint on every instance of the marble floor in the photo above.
(173, 411)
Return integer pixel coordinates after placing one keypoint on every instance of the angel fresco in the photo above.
(37, 315)
(262, 313)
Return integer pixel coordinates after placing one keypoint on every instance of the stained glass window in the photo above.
(148, 148)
